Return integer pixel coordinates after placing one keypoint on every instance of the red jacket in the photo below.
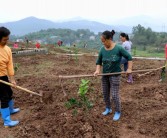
(59, 43)
(37, 45)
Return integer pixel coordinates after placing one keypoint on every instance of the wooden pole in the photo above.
(18, 87)
(106, 74)
(140, 75)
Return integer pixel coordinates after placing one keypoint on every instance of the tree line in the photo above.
(141, 37)
(145, 37)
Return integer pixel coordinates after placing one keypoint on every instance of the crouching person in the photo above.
(6, 70)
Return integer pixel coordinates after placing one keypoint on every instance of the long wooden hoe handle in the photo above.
(18, 87)
(106, 74)
(151, 71)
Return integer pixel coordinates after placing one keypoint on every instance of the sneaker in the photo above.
(117, 116)
(107, 111)
(129, 81)
(130, 78)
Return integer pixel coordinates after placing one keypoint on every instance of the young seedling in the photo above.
(83, 89)
(83, 101)
(16, 67)
(75, 112)
(76, 56)
(72, 103)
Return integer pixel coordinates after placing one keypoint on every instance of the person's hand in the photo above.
(129, 71)
(96, 73)
(13, 82)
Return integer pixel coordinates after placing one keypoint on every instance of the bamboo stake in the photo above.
(18, 87)
(106, 74)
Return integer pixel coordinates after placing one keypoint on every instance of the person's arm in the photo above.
(98, 64)
(11, 69)
(98, 69)
(12, 80)
(126, 55)
(129, 70)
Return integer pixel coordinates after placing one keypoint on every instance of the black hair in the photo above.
(125, 35)
(4, 32)
(108, 34)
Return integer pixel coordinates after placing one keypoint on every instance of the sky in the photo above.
(104, 11)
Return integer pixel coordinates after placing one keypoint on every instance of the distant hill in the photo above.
(156, 24)
(33, 24)
(27, 25)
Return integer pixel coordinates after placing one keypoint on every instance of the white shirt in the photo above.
(127, 45)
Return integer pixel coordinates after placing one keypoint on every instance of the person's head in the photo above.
(4, 36)
(124, 37)
(107, 37)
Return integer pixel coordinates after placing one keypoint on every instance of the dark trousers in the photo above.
(5, 92)
(110, 84)
(125, 62)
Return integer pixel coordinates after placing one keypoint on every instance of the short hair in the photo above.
(108, 35)
(4, 32)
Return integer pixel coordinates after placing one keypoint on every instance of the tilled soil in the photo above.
(144, 103)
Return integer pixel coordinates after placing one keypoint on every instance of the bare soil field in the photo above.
(144, 103)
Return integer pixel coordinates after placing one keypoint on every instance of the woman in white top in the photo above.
(127, 44)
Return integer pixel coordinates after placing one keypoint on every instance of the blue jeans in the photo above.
(125, 62)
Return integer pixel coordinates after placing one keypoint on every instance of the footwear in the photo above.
(12, 110)
(6, 118)
(130, 79)
(117, 116)
(107, 111)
